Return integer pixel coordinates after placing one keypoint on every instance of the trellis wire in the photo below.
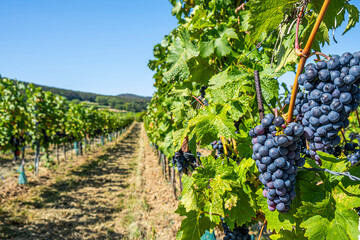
(347, 174)
(351, 177)
(258, 45)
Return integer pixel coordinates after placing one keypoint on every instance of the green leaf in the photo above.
(266, 15)
(242, 212)
(332, 218)
(269, 89)
(222, 47)
(177, 8)
(180, 51)
(287, 235)
(275, 220)
(207, 48)
(353, 17)
(212, 123)
(200, 71)
(194, 226)
(188, 195)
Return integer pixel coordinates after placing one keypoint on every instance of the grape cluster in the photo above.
(354, 136)
(332, 94)
(238, 233)
(202, 91)
(184, 160)
(353, 152)
(218, 146)
(355, 157)
(276, 151)
(202, 95)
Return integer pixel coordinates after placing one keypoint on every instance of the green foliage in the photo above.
(31, 116)
(216, 45)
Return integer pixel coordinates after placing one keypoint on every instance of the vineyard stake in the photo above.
(173, 181)
(169, 171)
(259, 94)
(181, 185)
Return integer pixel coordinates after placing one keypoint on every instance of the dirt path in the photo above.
(117, 195)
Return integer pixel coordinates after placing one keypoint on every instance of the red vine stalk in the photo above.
(276, 112)
(297, 45)
(343, 135)
(357, 116)
(305, 53)
(319, 53)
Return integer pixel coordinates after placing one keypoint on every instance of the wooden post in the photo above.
(165, 167)
(57, 154)
(169, 170)
(173, 181)
(181, 184)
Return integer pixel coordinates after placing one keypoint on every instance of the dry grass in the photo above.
(115, 193)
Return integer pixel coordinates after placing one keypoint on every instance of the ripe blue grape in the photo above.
(277, 158)
(184, 160)
(239, 232)
(332, 96)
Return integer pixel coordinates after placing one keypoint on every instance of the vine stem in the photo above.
(234, 145)
(343, 135)
(215, 214)
(305, 53)
(262, 229)
(259, 94)
(224, 144)
(357, 116)
(199, 101)
(297, 45)
(276, 112)
(321, 54)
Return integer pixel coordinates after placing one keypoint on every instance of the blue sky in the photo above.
(88, 45)
(95, 46)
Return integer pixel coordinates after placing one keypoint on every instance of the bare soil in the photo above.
(117, 192)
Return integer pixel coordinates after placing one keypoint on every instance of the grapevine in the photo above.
(220, 44)
(32, 117)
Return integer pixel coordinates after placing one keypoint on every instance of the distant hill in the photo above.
(126, 101)
(129, 95)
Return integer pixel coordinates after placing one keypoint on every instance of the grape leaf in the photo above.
(188, 195)
(353, 17)
(266, 15)
(275, 220)
(180, 51)
(332, 218)
(287, 234)
(200, 71)
(194, 226)
(212, 123)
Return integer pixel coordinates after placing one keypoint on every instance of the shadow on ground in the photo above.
(80, 196)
